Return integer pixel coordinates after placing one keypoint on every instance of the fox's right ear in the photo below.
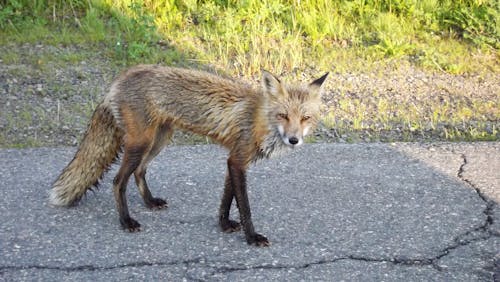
(271, 84)
(316, 86)
(319, 82)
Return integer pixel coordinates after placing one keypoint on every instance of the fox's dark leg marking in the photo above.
(237, 174)
(162, 137)
(131, 159)
(225, 223)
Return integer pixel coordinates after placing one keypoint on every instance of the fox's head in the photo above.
(292, 110)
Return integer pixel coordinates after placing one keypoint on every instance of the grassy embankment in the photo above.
(289, 38)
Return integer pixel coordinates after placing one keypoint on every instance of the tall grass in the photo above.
(245, 36)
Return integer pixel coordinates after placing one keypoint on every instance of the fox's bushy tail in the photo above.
(99, 148)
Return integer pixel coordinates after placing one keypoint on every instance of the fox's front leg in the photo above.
(237, 177)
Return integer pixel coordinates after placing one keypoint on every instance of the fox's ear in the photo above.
(316, 84)
(271, 84)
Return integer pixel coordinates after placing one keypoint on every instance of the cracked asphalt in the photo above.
(333, 212)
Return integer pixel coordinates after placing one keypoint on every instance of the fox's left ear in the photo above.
(315, 86)
(271, 84)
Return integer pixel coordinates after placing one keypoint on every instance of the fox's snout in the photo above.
(293, 140)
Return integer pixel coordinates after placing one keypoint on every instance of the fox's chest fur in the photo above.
(271, 146)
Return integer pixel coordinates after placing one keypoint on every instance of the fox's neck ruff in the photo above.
(272, 146)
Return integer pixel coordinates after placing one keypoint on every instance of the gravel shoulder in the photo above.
(48, 93)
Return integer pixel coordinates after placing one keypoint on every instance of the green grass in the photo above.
(241, 37)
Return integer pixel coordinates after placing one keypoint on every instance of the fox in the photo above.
(146, 103)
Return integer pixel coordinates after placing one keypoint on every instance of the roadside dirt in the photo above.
(47, 101)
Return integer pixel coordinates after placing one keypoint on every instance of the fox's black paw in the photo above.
(130, 224)
(156, 204)
(229, 226)
(258, 240)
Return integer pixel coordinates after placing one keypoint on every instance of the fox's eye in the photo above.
(282, 116)
(304, 118)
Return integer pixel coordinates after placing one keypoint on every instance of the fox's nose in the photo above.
(293, 140)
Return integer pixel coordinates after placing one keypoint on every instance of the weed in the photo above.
(10, 57)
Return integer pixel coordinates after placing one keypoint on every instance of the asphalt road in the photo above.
(333, 212)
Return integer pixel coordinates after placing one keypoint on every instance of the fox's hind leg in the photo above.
(132, 157)
(162, 137)
(225, 223)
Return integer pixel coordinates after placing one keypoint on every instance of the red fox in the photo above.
(146, 103)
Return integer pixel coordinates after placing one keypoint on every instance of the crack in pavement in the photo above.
(223, 270)
(100, 268)
(480, 233)
(433, 262)
(405, 262)
(207, 263)
(488, 211)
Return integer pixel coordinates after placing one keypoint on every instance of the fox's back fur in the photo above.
(191, 100)
(146, 103)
